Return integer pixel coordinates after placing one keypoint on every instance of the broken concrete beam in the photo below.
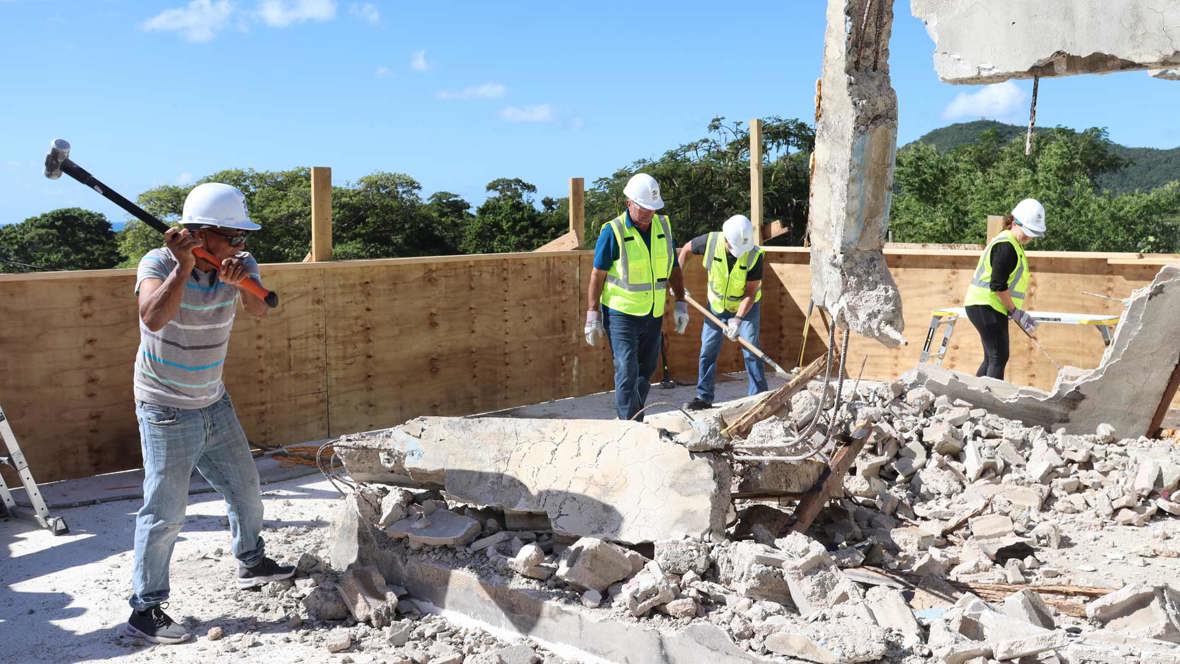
(996, 41)
(1010, 649)
(1124, 390)
(765, 479)
(549, 619)
(582, 473)
(852, 182)
(593, 564)
(1141, 611)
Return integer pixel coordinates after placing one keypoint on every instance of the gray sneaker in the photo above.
(263, 573)
(154, 625)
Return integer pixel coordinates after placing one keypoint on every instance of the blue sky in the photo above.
(453, 93)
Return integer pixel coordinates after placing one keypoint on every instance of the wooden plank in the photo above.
(829, 485)
(577, 205)
(774, 401)
(321, 213)
(756, 179)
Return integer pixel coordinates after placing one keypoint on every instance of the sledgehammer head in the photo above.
(59, 152)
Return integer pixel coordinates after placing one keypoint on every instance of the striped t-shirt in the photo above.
(180, 365)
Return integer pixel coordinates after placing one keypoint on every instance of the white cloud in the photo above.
(184, 179)
(418, 61)
(577, 123)
(382, 72)
(367, 12)
(1000, 101)
(282, 13)
(539, 114)
(485, 91)
(198, 21)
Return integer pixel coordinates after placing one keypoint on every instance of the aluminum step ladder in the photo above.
(16, 460)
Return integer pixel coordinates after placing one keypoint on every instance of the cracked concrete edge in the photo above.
(990, 42)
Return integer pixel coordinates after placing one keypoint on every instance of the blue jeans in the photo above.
(174, 441)
(635, 346)
(711, 337)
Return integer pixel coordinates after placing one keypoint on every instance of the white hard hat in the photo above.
(1030, 214)
(643, 190)
(739, 232)
(217, 204)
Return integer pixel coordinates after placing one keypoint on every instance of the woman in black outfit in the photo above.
(1000, 284)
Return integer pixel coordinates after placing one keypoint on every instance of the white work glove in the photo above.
(593, 329)
(1026, 322)
(731, 328)
(680, 316)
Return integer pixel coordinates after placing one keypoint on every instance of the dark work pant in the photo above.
(993, 331)
(635, 346)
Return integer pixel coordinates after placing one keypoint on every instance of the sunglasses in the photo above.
(233, 240)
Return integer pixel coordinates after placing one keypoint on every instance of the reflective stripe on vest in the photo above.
(726, 291)
(637, 282)
(980, 292)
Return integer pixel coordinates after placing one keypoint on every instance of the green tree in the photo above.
(63, 239)
(706, 181)
(383, 216)
(509, 220)
(452, 214)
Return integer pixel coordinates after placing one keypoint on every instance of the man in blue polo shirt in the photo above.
(634, 263)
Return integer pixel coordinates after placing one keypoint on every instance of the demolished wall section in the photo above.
(1123, 392)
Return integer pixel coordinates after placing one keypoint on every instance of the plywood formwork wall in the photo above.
(366, 344)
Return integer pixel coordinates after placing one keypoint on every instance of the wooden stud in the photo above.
(1161, 411)
(578, 209)
(321, 214)
(995, 224)
(756, 178)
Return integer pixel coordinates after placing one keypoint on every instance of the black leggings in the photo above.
(993, 331)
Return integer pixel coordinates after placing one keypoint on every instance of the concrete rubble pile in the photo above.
(944, 495)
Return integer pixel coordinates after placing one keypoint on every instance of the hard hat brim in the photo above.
(1030, 232)
(659, 204)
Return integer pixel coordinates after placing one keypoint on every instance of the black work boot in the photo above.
(698, 403)
(263, 573)
(154, 625)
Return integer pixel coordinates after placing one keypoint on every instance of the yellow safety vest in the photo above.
(637, 282)
(728, 287)
(980, 292)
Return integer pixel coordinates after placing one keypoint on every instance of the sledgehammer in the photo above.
(58, 162)
(745, 344)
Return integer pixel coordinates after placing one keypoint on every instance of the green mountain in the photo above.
(1147, 169)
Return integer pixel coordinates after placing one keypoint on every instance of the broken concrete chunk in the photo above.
(440, 528)
(1025, 496)
(325, 603)
(685, 607)
(1140, 610)
(1028, 606)
(647, 590)
(844, 634)
(737, 568)
(912, 539)
(943, 437)
(366, 596)
(681, 556)
(891, 611)
(991, 525)
(1009, 649)
(593, 564)
(1146, 476)
(517, 654)
(814, 580)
